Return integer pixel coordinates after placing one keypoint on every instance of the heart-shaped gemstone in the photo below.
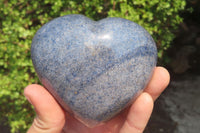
(93, 68)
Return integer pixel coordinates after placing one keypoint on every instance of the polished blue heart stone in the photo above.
(93, 68)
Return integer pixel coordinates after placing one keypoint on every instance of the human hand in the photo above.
(51, 118)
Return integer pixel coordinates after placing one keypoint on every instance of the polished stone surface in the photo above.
(93, 68)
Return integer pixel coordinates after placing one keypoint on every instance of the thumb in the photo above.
(50, 116)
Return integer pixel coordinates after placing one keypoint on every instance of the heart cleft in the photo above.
(94, 69)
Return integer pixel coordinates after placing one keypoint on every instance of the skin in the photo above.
(51, 118)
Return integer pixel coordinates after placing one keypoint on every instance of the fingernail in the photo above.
(29, 100)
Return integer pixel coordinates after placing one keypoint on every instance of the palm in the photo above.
(52, 119)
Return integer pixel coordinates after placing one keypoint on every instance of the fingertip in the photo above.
(144, 101)
(164, 74)
(30, 89)
(138, 115)
(158, 82)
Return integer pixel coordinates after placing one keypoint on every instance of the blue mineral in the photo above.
(93, 68)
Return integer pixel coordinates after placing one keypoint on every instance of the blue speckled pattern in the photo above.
(96, 68)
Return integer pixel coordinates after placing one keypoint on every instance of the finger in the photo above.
(158, 83)
(50, 117)
(138, 115)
